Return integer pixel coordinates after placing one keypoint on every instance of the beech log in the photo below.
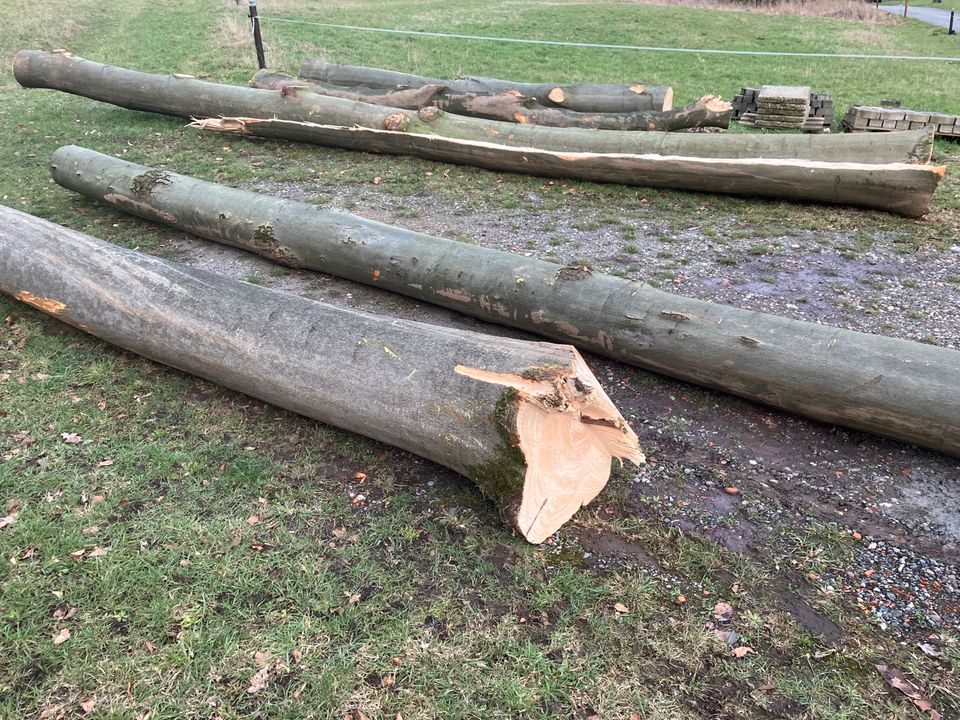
(527, 421)
(512, 106)
(897, 388)
(901, 188)
(187, 97)
(589, 98)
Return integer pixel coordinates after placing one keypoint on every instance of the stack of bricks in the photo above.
(767, 107)
(863, 117)
(822, 106)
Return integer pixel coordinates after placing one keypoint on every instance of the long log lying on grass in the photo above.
(901, 188)
(709, 111)
(528, 422)
(589, 98)
(901, 389)
(187, 97)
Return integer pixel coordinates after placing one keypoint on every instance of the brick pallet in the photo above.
(819, 116)
(877, 119)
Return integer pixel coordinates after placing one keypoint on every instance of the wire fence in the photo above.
(608, 46)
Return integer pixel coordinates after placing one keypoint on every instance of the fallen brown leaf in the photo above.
(61, 637)
(98, 552)
(106, 462)
(65, 612)
(743, 651)
(261, 658)
(253, 520)
(722, 612)
(71, 438)
(621, 608)
(92, 530)
(87, 705)
(896, 679)
(258, 681)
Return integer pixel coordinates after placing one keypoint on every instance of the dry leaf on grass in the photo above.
(258, 681)
(621, 608)
(87, 705)
(896, 679)
(71, 438)
(931, 650)
(64, 612)
(13, 513)
(722, 612)
(743, 651)
(98, 552)
(61, 637)
(253, 520)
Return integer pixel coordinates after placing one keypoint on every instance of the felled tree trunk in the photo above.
(899, 188)
(187, 97)
(511, 106)
(589, 98)
(900, 389)
(528, 422)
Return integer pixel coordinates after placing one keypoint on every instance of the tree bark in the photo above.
(709, 111)
(528, 422)
(590, 98)
(897, 388)
(187, 97)
(900, 188)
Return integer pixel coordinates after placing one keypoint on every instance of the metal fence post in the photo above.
(951, 31)
(257, 40)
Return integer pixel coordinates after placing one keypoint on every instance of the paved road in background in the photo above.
(932, 16)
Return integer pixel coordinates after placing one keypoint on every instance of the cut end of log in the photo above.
(715, 103)
(428, 114)
(568, 432)
(557, 95)
(396, 122)
(668, 99)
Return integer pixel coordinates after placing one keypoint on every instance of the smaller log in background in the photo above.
(583, 97)
(512, 106)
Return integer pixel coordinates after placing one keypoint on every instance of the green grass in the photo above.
(942, 5)
(219, 535)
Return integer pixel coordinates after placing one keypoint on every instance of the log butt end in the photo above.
(564, 432)
(667, 99)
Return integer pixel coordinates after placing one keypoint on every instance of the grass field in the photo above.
(182, 551)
